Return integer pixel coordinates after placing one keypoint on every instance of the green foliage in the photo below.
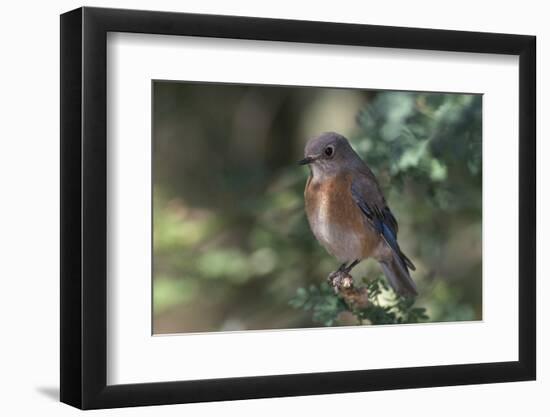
(324, 305)
(431, 139)
(384, 307)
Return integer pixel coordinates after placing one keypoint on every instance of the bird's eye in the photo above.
(329, 150)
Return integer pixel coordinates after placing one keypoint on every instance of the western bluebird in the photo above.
(348, 213)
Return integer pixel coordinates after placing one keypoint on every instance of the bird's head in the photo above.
(329, 154)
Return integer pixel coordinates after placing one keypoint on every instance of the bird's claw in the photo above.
(340, 280)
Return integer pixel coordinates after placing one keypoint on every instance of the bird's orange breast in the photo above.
(336, 221)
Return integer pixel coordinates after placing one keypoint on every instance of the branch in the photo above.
(371, 303)
(354, 297)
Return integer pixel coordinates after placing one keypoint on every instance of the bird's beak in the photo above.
(307, 160)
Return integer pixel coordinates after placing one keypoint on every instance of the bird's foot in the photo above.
(342, 283)
(340, 279)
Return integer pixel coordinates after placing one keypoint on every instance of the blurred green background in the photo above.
(231, 241)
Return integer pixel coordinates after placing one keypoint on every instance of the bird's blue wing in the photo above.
(377, 218)
(380, 216)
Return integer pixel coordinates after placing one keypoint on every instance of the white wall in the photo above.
(29, 109)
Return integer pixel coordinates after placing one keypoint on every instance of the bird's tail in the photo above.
(398, 276)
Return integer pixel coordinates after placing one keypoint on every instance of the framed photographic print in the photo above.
(258, 208)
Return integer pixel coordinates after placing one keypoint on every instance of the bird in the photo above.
(348, 214)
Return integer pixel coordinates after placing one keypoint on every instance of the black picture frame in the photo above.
(84, 207)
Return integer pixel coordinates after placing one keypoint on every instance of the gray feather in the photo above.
(399, 277)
